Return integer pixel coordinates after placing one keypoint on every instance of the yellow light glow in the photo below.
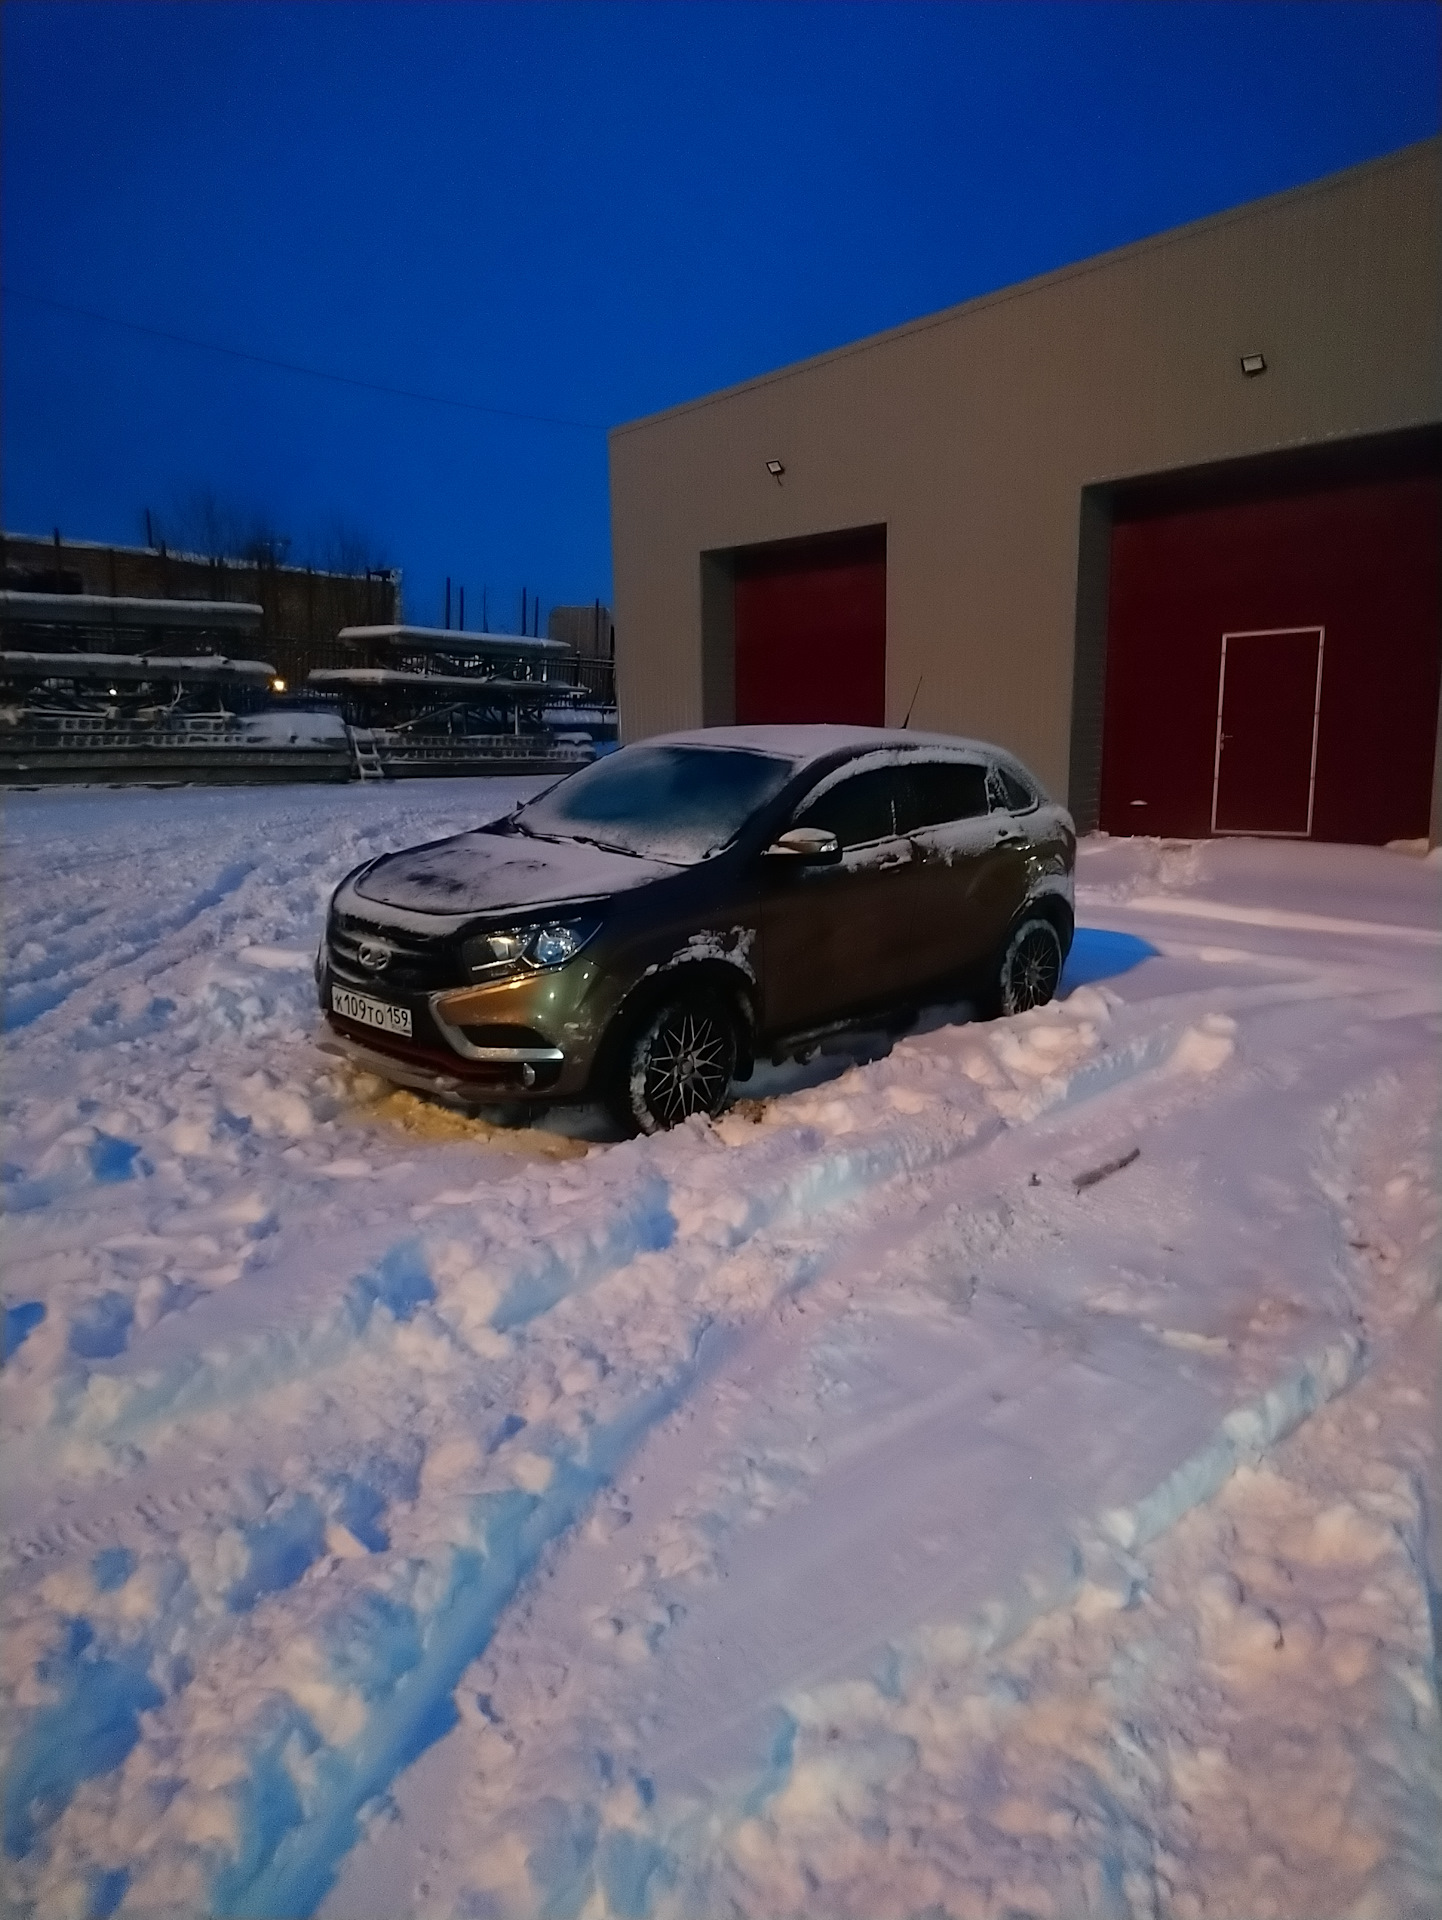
(277, 685)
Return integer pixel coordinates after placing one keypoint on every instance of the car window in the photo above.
(670, 803)
(1008, 794)
(937, 791)
(858, 810)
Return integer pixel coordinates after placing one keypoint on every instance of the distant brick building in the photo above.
(302, 610)
(589, 632)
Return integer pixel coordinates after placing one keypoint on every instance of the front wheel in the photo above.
(1030, 970)
(680, 1062)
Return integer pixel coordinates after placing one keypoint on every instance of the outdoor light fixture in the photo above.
(277, 685)
(775, 469)
(1253, 364)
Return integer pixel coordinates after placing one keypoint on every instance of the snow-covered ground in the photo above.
(848, 1508)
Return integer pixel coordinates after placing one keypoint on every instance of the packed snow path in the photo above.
(855, 1506)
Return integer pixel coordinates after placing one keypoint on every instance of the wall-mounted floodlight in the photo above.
(1253, 364)
(775, 469)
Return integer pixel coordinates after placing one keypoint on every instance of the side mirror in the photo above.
(808, 846)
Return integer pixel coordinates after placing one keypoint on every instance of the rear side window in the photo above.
(1008, 794)
(934, 792)
(858, 810)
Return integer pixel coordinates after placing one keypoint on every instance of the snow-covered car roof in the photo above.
(802, 744)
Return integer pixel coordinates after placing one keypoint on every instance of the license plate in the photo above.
(370, 1013)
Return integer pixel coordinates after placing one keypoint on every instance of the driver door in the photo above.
(833, 938)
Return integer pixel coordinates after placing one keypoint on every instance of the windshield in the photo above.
(665, 803)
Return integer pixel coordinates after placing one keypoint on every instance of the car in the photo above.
(648, 927)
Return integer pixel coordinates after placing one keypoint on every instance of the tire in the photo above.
(1030, 969)
(681, 1061)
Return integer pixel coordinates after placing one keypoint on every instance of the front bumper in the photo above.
(403, 1070)
(533, 1061)
(531, 1037)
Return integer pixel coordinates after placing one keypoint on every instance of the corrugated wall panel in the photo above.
(971, 435)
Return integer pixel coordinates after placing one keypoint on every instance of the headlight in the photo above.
(490, 955)
(498, 948)
(554, 946)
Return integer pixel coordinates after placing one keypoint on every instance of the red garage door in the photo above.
(1273, 666)
(811, 631)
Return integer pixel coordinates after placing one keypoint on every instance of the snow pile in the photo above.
(492, 1442)
(878, 1499)
(1181, 1743)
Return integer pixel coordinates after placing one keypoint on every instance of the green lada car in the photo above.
(648, 927)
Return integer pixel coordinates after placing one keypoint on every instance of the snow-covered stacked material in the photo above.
(295, 727)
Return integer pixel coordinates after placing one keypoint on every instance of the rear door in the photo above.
(835, 939)
(971, 865)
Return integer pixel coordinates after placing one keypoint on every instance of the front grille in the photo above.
(414, 965)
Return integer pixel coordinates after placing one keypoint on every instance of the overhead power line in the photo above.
(294, 366)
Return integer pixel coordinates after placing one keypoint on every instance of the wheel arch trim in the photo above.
(648, 993)
(1050, 903)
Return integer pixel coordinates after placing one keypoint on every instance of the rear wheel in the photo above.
(681, 1061)
(1030, 970)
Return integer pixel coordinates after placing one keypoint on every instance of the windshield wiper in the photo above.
(590, 840)
(606, 846)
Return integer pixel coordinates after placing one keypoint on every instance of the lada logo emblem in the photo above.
(374, 957)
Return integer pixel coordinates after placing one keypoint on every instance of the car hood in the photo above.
(483, 872)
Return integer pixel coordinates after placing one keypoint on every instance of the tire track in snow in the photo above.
(113, 954)
(1101, 1551)
(297, 1875)
(807, 1188)
(112, 949)
(536, 1277)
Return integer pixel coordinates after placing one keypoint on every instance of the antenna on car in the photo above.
(907, 721)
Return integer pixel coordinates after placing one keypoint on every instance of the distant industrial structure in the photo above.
(135, 664)
(428, 699)
(302, 609)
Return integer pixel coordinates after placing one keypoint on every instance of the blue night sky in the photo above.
(581, 212)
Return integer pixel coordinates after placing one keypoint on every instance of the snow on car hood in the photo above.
(476, 872)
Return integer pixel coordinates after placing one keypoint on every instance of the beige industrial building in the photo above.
(1166, 523)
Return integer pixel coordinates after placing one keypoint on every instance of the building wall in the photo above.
(984, 438)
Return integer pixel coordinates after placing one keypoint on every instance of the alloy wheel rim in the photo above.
(688, 1070)
(1034, 972)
